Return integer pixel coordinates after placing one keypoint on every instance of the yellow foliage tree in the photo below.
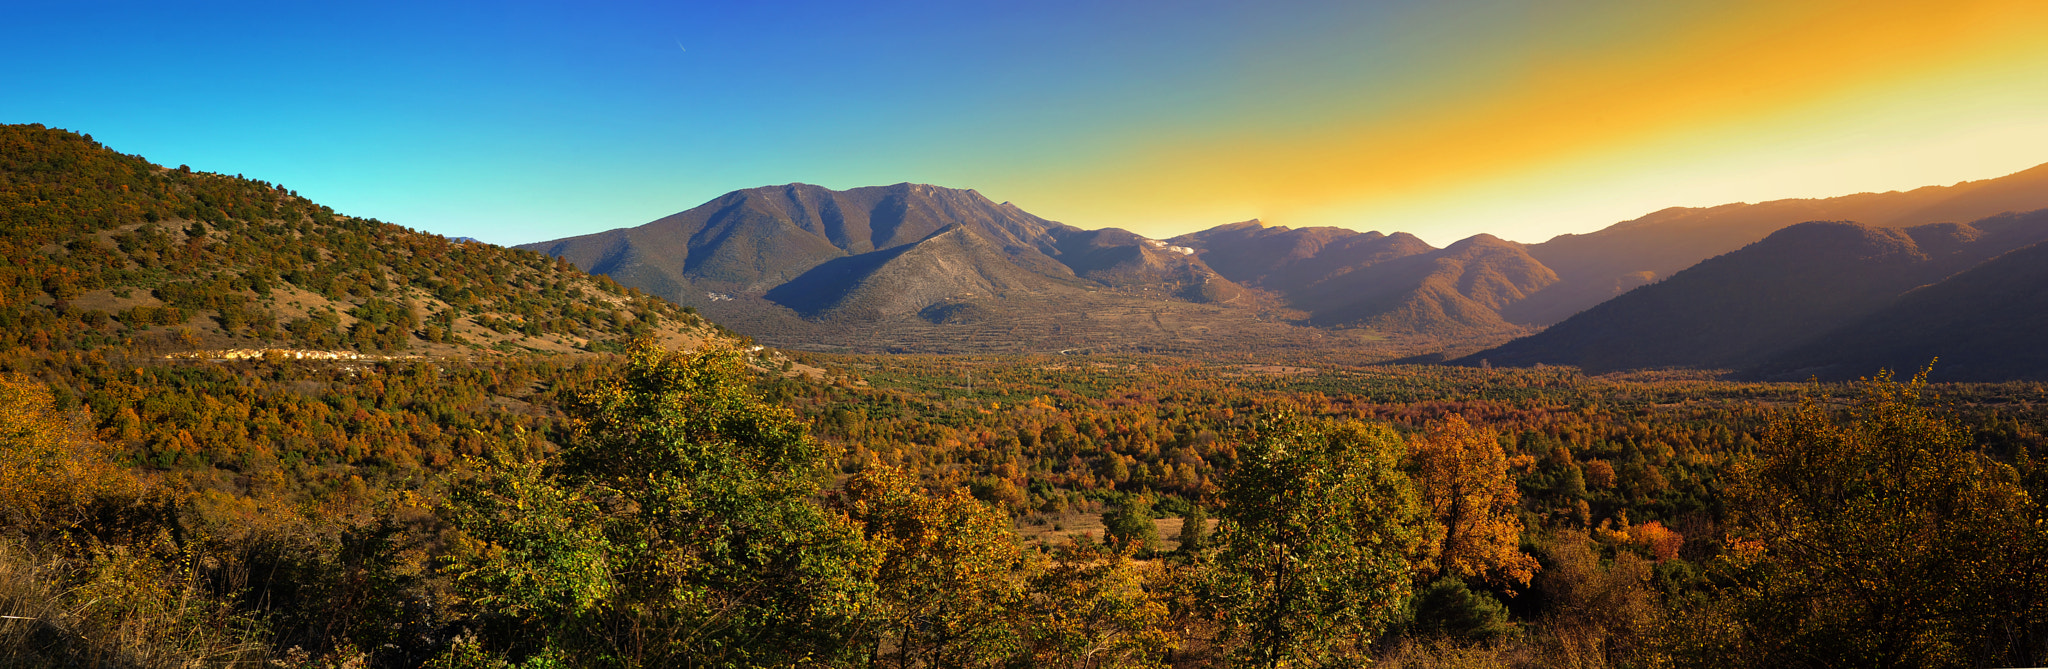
(1464, 481)
(950, 576)
(54, 477)
(1089, 608)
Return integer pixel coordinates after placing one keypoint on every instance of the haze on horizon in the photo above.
(519, 122)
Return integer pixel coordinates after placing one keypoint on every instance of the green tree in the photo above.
(709, 549)
(1319, 537)
(1447, 608)
(1194, 529)
(534, 552)
(1129, 525)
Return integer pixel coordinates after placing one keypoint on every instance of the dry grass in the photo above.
(1058, 530)
(1446, 654)
(118, 609)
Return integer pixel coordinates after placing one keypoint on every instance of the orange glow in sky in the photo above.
(1523, 118)
(1751, 101)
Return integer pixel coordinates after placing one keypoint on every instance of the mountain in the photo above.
(1394, 283)
(804, 265)
(1290, 261)
(1984, 324)
(752, 240)
(1598, 266)
(1788, 290)
(869, 268)
(954, 263)
(1121, 259)
(107, 251)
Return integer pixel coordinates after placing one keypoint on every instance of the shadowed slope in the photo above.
(1985, 324)
(1598, 266)
(1739, 308)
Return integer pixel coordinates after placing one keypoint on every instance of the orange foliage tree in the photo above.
(1464, 481)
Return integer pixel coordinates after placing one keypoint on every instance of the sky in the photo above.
(515, 122)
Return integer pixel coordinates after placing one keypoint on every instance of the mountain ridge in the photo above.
(1779, 294)
(1599, 265)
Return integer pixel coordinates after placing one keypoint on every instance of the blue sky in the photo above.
(518, 122)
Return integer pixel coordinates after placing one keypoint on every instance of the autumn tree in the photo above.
(1320, 531)
(1088, 606)
(56, 479)
(1876, 535)
(949, 580)
(1462, 476)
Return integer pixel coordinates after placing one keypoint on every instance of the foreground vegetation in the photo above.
(473, 472)
(686, 509)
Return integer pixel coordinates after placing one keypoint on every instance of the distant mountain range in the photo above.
(802, 265)
(1597, 266)
(108, 251)
(1984, 324)
(1786, 305)
(912, 255)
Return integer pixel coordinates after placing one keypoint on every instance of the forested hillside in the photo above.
(107, 250)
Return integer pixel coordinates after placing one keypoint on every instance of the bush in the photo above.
(1447, 608)
(1129, 525)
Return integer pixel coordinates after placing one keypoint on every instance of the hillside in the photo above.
(1600, 265)
(1984, 324)
(953, 263)
(1791, 288)
(107, 250)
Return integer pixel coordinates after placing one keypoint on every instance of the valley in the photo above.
(914, 268)
(241, 427)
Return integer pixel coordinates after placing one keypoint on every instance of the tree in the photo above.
(55, 479)
(1194, 529)
(1088, 606)
(1319, 533)
(1447, 608)
(1129, 525)
(534, 552)
(1878, 536)
(949, 579)
(1462, 475)
(708, 549)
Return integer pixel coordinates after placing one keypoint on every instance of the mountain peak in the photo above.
(1479, 240)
